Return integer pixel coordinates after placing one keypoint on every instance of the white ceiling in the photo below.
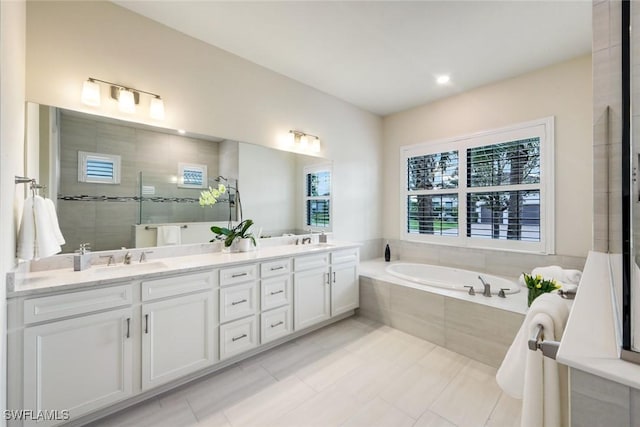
(383, 56)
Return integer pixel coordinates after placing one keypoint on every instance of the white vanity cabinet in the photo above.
(276, 299)
(239, 307)
(312, 293)
(178, 331)
(91, 347)
(80, 363)
(345, 292)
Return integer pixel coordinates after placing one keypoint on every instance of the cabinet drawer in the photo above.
(275, 324)
(237, 337)
(311, 261)
(238, 301)
(74, 303)
(176, 285)
(275, 268)
(275, 292)
(343, 256)
(233, 275)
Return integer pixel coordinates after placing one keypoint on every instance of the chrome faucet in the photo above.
(143, 255)
(487, 287)
(127, 258)
(111, 259)
(306, 239)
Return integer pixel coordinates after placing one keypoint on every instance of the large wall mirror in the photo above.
(115, 182)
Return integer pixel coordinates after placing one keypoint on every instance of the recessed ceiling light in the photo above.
(443, 79)
(182, 131)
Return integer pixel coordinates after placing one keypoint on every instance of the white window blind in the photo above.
(98, 168)
(502, 200)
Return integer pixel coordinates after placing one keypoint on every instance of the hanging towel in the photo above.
(54, 221)
(168, 235)
(36, 238)
(539, 381)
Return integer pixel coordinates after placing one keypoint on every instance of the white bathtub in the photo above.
(450, 278)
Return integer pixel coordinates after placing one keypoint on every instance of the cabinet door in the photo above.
(311, 297)
(344, 288)
(79, 364)
(177, 337)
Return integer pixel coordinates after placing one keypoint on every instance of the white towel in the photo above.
(168, 235)
(51, 208)
(539, 381)
(36, 238)
(564, 277)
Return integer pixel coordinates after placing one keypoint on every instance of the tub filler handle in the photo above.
(471, 290)
(537, 342)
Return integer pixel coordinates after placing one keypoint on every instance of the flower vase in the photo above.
(244, 245)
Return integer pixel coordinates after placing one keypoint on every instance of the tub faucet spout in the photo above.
(487, 287)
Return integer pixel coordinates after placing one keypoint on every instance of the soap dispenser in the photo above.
(387, 253)
(82, 258)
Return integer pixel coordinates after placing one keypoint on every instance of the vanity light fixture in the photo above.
(127, 97)
(304, 141)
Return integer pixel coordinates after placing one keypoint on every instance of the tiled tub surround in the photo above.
(478, 327)
(103, 339)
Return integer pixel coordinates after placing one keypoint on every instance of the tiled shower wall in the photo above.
(108, 224)
(607, 126)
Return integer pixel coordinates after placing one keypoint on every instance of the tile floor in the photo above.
(353, 373)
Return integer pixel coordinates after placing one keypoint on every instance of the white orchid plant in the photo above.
(210, 197)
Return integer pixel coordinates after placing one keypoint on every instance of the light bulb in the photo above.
(91, 93)
(156, 109)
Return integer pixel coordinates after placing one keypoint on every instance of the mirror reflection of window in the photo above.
(318, 197)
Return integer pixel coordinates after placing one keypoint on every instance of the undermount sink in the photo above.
(318, 245)
(130, 268)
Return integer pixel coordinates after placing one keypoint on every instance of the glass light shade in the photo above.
(91, 93)
(156, 109)
(315, 145)
(126, 101)
(304, 141)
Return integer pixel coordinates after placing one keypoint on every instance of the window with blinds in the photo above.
(504, 198)
(98, 168)
(318, 197)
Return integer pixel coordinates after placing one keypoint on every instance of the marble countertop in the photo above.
(42, 282)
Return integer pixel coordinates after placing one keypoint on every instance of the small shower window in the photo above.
(98, 168)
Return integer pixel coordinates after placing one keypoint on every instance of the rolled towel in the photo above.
(558, 274)
(524, 374)
(573, 276)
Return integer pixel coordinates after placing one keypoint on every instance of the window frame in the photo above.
(83, 160)
(309, 169)
(540, 128)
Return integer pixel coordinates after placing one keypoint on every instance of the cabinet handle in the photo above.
(328, 278)
(277, 292)
(277, 324)
(239, 338)
(238, 302)
(146, 323)
(277, 268)
(128, 327)
(239, 275)
(334, 277)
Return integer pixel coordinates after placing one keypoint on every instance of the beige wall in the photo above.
(563, 90)
(12, 89)
(206, 90)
